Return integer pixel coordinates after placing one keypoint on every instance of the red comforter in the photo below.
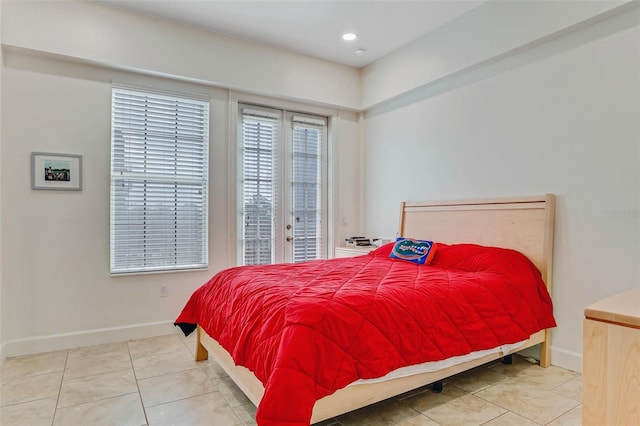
(309, 329)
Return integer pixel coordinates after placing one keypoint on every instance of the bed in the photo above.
(522, 226)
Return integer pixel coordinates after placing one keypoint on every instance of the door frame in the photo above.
(237, 98)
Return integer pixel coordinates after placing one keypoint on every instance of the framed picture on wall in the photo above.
(56, 171)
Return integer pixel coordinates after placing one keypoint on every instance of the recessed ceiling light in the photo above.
(348, 36)
(360, 52)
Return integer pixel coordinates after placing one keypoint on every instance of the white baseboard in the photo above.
(559, 357)
(566, 359)
(56, 342)
(2, 354)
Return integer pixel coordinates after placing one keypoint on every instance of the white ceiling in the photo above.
(313, 27)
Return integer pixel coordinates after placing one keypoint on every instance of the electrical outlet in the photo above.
(164, 290)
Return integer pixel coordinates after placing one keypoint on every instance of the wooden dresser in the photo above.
(611, 361)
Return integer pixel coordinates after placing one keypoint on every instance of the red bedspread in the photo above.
(309, 329)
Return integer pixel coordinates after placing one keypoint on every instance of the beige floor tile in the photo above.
(232, 393)
(30, 388)
(33, 365)
(528, 400)
(428, 400)
(190, 338)
(155, 346)
(572, 418)
(199, 410)
(34, 413)
(189, 341)
(97, 364)
(546, 378)
(496, 370)
(246, 413)
(213, 369)
(329, 422)
(510, 419)
(418, 420)
(87, 351)
(156, 365)
(174, 386)
(478, 378)
(468, 410)
(191, 348)
(381, 414)
(124, 410)
(97, 387)
(572, 389)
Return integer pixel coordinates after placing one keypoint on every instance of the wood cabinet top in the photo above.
(622, 309)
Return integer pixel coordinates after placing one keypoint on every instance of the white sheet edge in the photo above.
(427, 367)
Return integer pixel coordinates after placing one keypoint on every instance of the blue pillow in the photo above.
(416, 251)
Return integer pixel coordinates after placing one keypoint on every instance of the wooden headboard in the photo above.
(524, 224)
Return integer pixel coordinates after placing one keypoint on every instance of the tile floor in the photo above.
(156, 382)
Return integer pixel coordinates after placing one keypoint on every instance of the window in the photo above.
(307, 188)
(259, 143)
(159, 176)
(283, 186)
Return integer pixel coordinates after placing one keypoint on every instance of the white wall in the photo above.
(561, 118)
(3, 322)
(91, 32)
(490, 31)
(55, 244)
(347, 177)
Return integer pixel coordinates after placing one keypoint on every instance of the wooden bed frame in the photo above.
(524, 224)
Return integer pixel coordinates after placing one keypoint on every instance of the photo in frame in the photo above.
(56, 171)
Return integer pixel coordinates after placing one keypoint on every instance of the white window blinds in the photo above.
(308, 232)
(159, 175)
(259, 167)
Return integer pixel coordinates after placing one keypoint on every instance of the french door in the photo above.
(282, 186)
